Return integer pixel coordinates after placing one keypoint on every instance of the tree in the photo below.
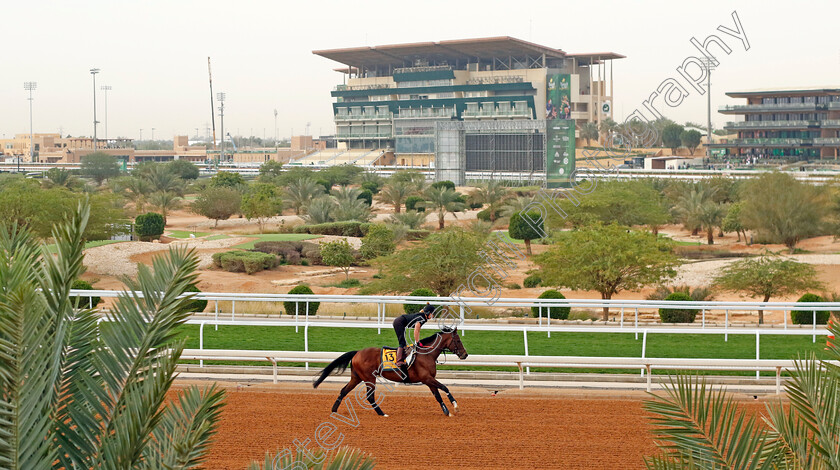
(627, 203)
(341, 175)
(379, 241)
(767, 276)
(443, 200)
(149, 226)
(522, 228)
(217, 203)
(161, 179)
(338, 253)
(261, 203)
(492, 194)
(607, 259)
(732, 221)
(270, 171)
(300, 192)
(710, 216)
(320, 210)
(671, 137)
(136, 189)
(165, 201)
(589, 131)
(411, 219)
(608, 128)
(690, 139)
(80, 395)
(515, 205)
(184, 169)
(60, 177)
(443, 261)
(415, 179)
(348, 205)
(395, 193)
(690, 206)
(227, 179)
(100, 166)
(781, 209)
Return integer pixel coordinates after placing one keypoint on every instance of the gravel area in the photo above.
(701, 273)
(115, 259)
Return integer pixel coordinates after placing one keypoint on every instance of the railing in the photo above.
(362, 117)
(830, 123)
(826, 141)
(770, 106)
(422, 68)
(771, 141)
(355, 135)
(379, 86)
(770, 124)
(834, 105)
(426, 112)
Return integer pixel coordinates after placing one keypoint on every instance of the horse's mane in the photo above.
(431, 339)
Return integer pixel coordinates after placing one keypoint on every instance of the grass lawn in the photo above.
(511, 342)
(220, 236)
(679, 242)
(186, 234)
(92, 244)
(274, 237)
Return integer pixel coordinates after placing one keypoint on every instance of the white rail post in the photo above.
(704, 319)
(201, 342)
(757, 351)
(621, 322)
(548, 320)
(636, 322)
(90, 300)
(217, 315)
(521, 377)
(296, 316)
(778, 380)
(380, 310)
(644, 348)
(726, 326)
(540, 313)
(233, 310)
(306, 339)
(814, 324)
(525, 335)
(461, 308)
(647, 366)
(784, 318)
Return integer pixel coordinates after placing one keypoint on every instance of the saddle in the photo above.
(389, 358)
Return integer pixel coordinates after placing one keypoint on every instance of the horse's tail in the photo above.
(338, 366)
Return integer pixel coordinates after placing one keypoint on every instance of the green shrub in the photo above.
(304, 262)
(83, 302)
(444, 184)
(288, 251)
(245, 261)
(416, 234)
(560, 313)
(485, 215)
(476, 205)
(195, 305)
(371, 186)
(670, 315)
(411, 204)
(290, 307)
(326, 184)
(348, 228)
(367, 196)
(806, 317)
(348, 283)
(534, 280)
(513, 285)
(149, 226)
(421, 292)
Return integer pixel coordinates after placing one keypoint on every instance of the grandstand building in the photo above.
(796, 122)
(497, 97)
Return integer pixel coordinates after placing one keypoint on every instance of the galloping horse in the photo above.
(365, 366)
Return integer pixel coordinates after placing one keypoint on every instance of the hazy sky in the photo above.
(154, 54)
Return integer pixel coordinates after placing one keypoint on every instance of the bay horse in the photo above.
(366, 366)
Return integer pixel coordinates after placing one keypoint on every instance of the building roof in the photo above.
(460, 49)
(783, 91)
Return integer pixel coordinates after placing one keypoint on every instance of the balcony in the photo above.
(363, 117)
(830, 123)
(740, 108)
(771, 124)
(770, 142)
(378, 86)
(827, 141)
(834, 105)
(489, 111)
(362, 135)
(426, 113)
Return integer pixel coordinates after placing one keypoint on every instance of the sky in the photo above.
(154, 55)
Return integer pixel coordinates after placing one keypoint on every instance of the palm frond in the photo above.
(345, 458)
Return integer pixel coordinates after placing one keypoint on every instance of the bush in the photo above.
(149, 226)
(422, 292)
(806, 317)
(348, 283)
(195, 305)
(326, 184)
(476, 205)
(348, 228)
(513, 285)
(444, 184)
(245, 261)
(485, 215)
(534, 280)
(416, 234)
(371, 186)
(560, 313)
(83, 302)
(411, 204)
(304, 262)
(670, 315)
(291, 307)
(289, 251)
(367, 196)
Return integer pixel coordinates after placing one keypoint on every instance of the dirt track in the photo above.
(503, 431)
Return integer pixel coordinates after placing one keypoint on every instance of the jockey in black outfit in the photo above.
(408, 320)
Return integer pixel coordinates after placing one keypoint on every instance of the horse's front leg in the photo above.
(435, 392)
(448, 395)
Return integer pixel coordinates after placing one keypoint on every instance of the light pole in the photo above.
(93, 73)
(106, 89)
(30, 87)
(710, 65)
(220, 97)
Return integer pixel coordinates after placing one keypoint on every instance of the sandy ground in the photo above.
(583, 430)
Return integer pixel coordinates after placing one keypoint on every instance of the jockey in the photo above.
(403, 322)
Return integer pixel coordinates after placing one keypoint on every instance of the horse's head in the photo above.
(454, 343)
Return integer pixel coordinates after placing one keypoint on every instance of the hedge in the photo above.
(292, 252)
(149, 226)
(245, 261)
(560, 313)
(367, 196)
(806, 317)
(83, 302)
(534, 280)
(300, 307)
(194, 305)
(371, 186)
(349, 228)
(485, 215)
(671, 315)
(421, 292)
(411, 204)
(416, 234)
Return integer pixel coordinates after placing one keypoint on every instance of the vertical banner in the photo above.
(559, 133)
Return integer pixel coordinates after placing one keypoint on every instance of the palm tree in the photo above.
(165, 201)
(442, 200)
(348, 206)
(492, 194)
(76, 395)
(689, 207)
(342, 459)
(589, 131)
(300, 192)
(411, 219)
(59, 177)
(395, 192)
(710, 217)
(516, 205)
(319, 210)
(608, 128)
(160, 179)
(137, 190)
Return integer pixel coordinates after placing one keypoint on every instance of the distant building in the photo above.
(790, 122)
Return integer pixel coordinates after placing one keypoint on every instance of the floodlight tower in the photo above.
(710, 65)
(106, 89)
(30, 87)
(93, 73)
(220, 97)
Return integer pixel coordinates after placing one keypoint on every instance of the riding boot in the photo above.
(401, 356)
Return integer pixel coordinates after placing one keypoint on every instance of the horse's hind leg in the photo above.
(449, 395)
(370, 386)
(435, 392)
(354, 380)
